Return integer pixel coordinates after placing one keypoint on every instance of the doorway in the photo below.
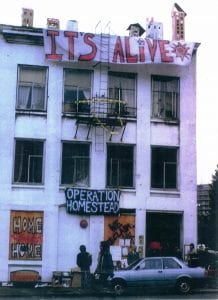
(165, 229)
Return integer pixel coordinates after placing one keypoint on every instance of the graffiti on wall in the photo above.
(26, 233)
(122, 227)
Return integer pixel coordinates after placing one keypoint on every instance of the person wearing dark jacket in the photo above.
(84, 261)
(133, 255)
(105, 265)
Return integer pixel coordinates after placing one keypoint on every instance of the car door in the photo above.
(172, 269)
(148, 272)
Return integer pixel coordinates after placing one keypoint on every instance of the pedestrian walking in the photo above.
(105, 265)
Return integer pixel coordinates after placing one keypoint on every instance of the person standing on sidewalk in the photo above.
(192, 256)
(105, 265)
(133, 255)
(84, 261)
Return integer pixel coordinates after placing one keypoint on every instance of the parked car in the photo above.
(159, 272)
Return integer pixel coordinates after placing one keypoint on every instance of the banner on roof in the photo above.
(72, 46)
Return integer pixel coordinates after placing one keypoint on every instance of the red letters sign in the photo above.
(74, 46)
(26, 232)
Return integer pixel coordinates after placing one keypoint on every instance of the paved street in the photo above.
(65, 294)
(212, 296)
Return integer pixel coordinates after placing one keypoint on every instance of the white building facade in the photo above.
(115, 131)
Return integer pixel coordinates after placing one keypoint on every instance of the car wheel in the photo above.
(119, 287)
(183, 286)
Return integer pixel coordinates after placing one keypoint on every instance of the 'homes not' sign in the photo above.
(92, 202)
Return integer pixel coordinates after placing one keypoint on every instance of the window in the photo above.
(165, 97)
(122, 89)
(31, 94)
(164, 168)
(120, 165)
(28, 161)
(77, 91)
(75, 164)
(149, 264)
(170, 263)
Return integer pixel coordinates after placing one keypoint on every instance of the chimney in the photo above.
(27, 17)
(178, 23)
(154, 30)
(135, 29)
(72, 25)
(53, 23)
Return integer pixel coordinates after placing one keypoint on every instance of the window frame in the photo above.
(76, 183)
(174, 266)
(28, 182)
(73, 107)
(109, 172)
(148, 262)
(32, 85)
(121, 106)
(159, 110)
(153, 182)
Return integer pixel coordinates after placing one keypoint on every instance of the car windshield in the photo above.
(133, 264)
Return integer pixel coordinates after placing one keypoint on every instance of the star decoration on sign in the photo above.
(181, 51)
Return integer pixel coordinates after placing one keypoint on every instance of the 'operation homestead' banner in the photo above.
(74, 46)
(92, 202)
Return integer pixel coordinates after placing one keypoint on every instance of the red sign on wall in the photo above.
(26, 233)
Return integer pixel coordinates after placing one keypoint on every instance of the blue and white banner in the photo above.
(92, 202)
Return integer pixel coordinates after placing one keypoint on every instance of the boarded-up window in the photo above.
(118, 228)
(26, 235)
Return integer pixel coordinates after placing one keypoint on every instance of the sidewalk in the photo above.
(72, 292)
(51, 292)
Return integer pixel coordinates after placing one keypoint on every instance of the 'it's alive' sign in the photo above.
(92, 202)
(74, 46)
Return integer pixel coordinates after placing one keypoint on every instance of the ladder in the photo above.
(101, 105)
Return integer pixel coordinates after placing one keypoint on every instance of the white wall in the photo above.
(62, 234)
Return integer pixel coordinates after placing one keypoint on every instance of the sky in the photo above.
(200, 27)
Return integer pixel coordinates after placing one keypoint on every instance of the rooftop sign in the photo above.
(75, 46)
(92, 202)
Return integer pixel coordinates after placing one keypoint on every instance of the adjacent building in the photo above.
(203, 199)
(98, 136)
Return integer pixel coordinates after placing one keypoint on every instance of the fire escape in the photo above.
(107, 116)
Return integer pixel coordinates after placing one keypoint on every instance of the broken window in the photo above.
(165, 97)
(75, 164)
(122, 93)
(77, 91)
(164, 168)
(120, 166)
(28, 161)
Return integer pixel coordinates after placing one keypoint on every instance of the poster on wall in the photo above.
(26, 235)
(120, 230)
